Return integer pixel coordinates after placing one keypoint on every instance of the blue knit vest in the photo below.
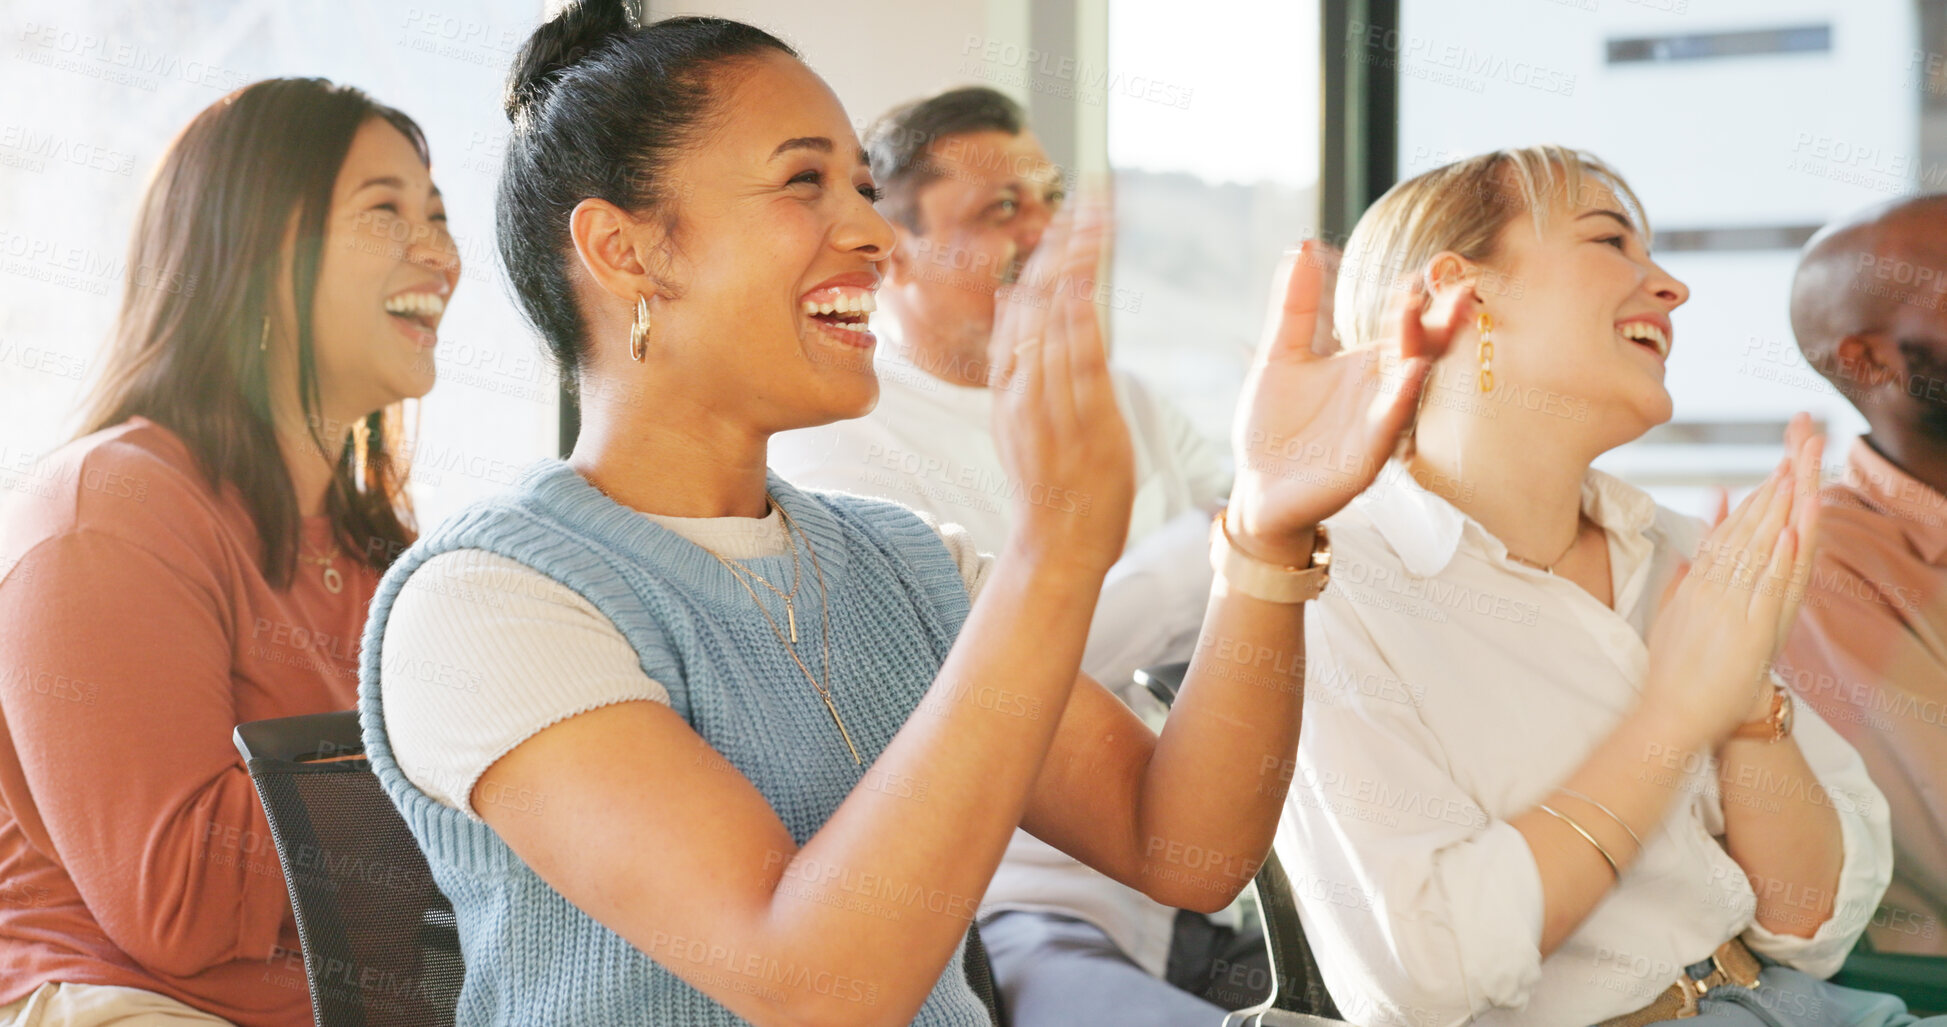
(896, 602)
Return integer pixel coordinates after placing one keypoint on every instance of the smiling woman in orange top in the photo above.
(204, 554)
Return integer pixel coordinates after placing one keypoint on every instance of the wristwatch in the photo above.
(1774, 726)
(1262, 579)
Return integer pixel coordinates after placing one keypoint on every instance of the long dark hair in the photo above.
(187, 346)
(600, 107)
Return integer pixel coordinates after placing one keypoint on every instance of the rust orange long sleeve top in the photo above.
(136, 631)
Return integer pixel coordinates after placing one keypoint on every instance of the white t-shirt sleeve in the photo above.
(1151, 607)
(480, 654)
(974, 565)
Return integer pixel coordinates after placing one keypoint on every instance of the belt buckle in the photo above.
(1696, 987)
(1696, 981)
(1718, 975)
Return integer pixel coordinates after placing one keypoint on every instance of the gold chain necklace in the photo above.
(738, 572)
(797, 573)
(824, 609)
(1545, 569)
(334, 582)
(1550, 568)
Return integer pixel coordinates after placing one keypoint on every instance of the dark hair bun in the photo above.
(601, 108)
(581, 29)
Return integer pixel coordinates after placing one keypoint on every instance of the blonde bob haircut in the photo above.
(1460, 207)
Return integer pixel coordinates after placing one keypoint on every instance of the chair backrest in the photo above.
(1296, 984)
(980, 977)
(380, 945)
(381, 948)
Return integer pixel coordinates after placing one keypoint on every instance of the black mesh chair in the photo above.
(980, 977)
(380, 945)
(1298, 995)
(381, 948)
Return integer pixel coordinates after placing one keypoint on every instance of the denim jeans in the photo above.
(1787, 998)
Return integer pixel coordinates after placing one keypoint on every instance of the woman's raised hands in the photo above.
(1060, 433)
(1726, 618)
(1313, 430)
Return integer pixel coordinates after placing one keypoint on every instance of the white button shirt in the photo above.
(1449, 689)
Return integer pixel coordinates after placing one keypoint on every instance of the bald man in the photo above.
(1869, 309)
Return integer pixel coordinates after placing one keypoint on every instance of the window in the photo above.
(111, 89)
(1213, 137)
(1741, 135)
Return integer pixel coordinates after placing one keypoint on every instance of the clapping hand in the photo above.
(1314, 430)
(1056, 423)
(1724, 620)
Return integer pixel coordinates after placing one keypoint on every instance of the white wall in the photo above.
(878, 53)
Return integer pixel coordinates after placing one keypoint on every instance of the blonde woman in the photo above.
(1546, 776)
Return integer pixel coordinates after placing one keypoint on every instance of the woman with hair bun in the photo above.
(204, 554)
(732, 751)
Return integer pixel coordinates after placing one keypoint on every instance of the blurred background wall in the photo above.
(1744, 124)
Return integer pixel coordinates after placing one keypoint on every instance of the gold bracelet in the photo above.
(1620, 822)
(1570, 821)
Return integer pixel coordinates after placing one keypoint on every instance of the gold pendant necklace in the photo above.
(824, 604)
(790, 613)
(797, 574)
(333, 581)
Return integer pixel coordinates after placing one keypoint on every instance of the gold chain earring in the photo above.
(639, 332)
(263, 341)
(1486, 325)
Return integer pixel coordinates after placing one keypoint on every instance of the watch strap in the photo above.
(1775, 726)
(1262, 579)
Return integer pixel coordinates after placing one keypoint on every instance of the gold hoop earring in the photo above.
(639, 332)
(263, 341)
(1486, 325)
